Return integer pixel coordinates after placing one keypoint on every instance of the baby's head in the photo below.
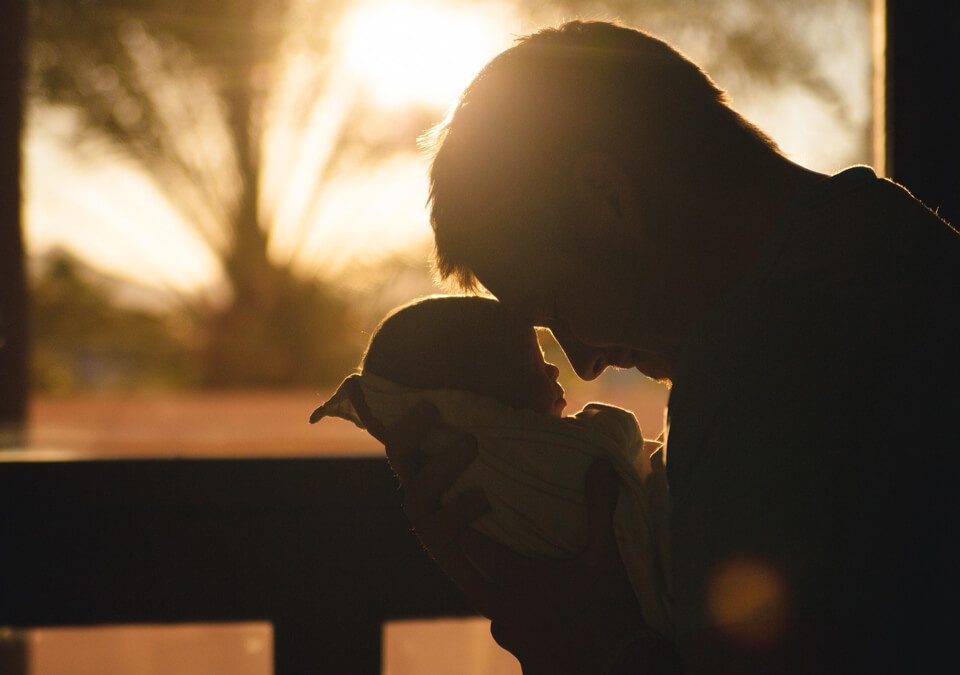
(468, 343)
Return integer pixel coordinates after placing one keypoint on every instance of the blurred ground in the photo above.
(437, 647)
(239, 423)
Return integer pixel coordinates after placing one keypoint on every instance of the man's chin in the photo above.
(655, 367)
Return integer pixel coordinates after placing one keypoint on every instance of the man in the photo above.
(598, 183)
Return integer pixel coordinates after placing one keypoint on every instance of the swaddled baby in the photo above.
(484, 371)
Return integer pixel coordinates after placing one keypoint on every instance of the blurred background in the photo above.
(223, 197)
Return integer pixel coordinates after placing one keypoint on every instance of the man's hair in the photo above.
(503, 157)
(449, 342)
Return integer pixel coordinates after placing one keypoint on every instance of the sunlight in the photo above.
(418, 52)
(369, 215)
(108, 212)
(391, 58)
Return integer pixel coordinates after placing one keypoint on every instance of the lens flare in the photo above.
(748, 601)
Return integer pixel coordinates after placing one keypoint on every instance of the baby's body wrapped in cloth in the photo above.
(532, 469)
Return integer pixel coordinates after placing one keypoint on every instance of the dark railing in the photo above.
(317, 547)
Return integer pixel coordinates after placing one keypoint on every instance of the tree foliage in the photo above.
(182, 88)
(70, 306)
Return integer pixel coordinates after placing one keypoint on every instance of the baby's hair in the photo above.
(448, 342)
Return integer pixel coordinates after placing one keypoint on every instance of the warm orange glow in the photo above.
(412, 51)
(747, 600)
(878, 34)
(106, 209)
(387, 58)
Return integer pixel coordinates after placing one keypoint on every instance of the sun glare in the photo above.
(422, 52)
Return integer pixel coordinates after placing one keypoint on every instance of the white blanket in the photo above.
(532, 468)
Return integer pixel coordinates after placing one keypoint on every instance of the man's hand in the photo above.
(424, 482)
(572, 616)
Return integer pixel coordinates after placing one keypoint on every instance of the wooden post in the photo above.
(13, 652)
(13, 294)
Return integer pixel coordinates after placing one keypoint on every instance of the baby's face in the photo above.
(538, 387)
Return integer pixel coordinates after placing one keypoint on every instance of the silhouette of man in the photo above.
(598, 182)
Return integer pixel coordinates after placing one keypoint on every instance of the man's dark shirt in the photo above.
(813, 439)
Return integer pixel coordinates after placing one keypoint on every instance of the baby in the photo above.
(484, 371)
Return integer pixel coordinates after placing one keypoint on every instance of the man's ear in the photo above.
(603, 187)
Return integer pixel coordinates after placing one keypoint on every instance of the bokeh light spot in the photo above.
(748, 601)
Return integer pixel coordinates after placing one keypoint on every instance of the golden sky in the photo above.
(396, 55)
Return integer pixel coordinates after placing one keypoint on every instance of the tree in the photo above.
(182, 87)
(70, 304)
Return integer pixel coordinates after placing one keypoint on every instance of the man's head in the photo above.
(566, 179)
(469, 343)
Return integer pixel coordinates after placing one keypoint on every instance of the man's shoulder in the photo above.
(861, 274)
(854, 318)
(861, 229)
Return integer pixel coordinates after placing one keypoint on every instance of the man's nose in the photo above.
(589, 365)
(552, 371)
(587, 361)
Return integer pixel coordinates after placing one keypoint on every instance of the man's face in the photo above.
(593, 310)
(611, 293)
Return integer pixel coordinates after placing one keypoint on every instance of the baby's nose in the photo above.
(553, 371)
